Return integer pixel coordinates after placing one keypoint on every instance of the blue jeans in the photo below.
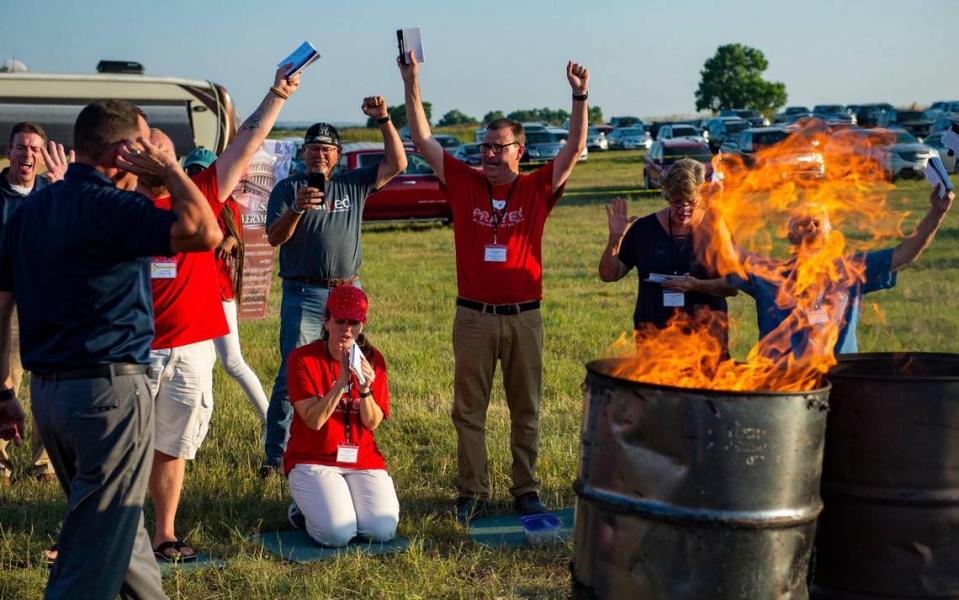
(302, 311)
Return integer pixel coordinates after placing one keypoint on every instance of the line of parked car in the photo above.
(898, 141)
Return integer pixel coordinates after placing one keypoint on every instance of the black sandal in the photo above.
(178, 556)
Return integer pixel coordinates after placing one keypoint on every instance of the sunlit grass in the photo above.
(409, 274)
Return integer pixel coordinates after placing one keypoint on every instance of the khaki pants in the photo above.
(516, 341)
(41, 462)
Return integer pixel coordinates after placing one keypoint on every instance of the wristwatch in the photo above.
(296, 210)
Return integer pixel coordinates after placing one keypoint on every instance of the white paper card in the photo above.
(673, 299)
(936, 174)
(657, 278)
(300, 58)
(495, 253)
(347, 454)
(163, 268)
(356, 363)
(409, 39)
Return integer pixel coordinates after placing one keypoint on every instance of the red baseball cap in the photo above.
(347, 302)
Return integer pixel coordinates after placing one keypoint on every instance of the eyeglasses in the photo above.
(324, 148)
(495, 148)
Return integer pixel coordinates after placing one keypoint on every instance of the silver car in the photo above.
(907, 157)
(596, 139)
(629, 138)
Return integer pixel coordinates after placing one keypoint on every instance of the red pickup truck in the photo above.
(414, 194)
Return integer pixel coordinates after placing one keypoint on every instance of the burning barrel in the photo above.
(686, 493)
(890, 527)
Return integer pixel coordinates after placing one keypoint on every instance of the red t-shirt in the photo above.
(529, 201)
(223, 280)
(186, 304)
(311, 371)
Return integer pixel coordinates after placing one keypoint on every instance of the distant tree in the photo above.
(595, 114)
(492, 116)
(398, 115)
(455, 117)
(546, 115)
(732, 78)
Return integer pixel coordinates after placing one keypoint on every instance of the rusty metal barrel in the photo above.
(890, 527)
(695, 494)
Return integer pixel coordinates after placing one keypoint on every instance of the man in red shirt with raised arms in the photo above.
(189, 316)
(498, 220)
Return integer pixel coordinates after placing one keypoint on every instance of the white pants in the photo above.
(340, 504)
(229, 353)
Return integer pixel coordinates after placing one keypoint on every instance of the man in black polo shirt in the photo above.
(80, 274)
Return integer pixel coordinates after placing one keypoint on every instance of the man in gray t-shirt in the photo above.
(318, 232)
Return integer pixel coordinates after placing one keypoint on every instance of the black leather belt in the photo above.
(330, 283)
(94, 372)
(498, 309)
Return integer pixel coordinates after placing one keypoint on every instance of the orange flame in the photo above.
(803, 189)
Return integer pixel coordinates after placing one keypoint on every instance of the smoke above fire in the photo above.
(796, 214)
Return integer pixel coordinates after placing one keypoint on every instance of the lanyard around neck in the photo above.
(498, 214)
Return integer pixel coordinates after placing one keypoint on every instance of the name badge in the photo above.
(162, 268)
(495, 253)
(818, 317)
(347, 454)
(673, 299)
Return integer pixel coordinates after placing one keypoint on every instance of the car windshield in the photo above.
(540, 137)
(910, 115)
(934, 141)
(471, 149)
(768, 138)
(904, 137)
(792, 110)
(417, 165)
(370, 158)
(683, 130)
(632, 131)
(736, 126)
(828, 109)
(700, 153)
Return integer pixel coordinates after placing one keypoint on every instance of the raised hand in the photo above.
(57, 161)
(375, 107)
(409, 72)
(618, 219)
(578, 77)
(942, 204)
(145, 159)
(285, 84)
(368, 374)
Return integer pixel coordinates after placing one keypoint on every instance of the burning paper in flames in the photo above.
(812, 189)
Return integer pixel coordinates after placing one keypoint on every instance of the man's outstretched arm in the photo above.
(578, 77)
(913, 246)
(416, 117)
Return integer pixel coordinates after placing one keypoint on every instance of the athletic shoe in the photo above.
(295, 517)
(468, 507)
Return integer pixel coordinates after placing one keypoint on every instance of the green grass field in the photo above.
(409, 274)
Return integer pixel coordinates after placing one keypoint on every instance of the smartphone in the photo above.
(318, 181)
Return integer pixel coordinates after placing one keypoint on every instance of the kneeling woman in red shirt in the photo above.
(337, 475)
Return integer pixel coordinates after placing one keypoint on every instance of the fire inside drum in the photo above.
(695, 494)
(890, 527)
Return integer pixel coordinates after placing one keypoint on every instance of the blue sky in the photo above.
(644, 57)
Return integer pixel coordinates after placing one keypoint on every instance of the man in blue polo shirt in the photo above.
(782, 307)
(75, 258)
